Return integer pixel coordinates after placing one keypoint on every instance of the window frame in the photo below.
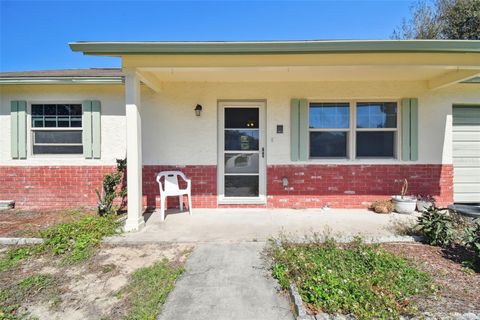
(347, 130)
(352, 130)
(396, 131)
(32, 130)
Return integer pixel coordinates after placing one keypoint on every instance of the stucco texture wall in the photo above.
(173, 135)
(112, 120)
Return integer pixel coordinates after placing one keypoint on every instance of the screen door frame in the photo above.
(261, 198)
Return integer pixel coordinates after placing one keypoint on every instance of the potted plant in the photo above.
(425, 202)
(403, 203)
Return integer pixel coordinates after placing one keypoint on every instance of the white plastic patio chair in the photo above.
(170, 188)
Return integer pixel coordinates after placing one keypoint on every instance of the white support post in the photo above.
(135, 219)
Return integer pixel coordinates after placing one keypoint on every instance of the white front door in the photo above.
(241, 163)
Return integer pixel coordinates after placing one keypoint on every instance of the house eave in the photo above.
(61, 80)
(276, 47)
(472, 80)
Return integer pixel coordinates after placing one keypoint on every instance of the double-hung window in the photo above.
(376, 129)
(370, 130)
(56, 129)
(329, 130)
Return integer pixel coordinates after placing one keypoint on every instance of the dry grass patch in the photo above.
(101, 287)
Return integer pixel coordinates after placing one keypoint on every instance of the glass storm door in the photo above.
(242, 153)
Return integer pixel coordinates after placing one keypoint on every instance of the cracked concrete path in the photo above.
(226, 281)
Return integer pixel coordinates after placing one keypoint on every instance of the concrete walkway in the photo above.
(238, 225)
(226, 281)
(225, 276)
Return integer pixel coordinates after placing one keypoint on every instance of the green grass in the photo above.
(148, 289)
(11, 297)
(13, 257)
(74, 240)
(358, 279)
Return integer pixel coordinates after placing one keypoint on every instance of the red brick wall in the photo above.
(354, 186)
(311, 186)
(51, 186)
(204, 185)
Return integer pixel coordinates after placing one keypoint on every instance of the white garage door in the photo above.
(466, 153)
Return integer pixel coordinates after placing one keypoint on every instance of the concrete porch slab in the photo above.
(246, 225)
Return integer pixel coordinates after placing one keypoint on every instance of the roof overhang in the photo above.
(472, 80)
(276, 47)
(61, 80)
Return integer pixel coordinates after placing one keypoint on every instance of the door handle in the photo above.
(263, 152)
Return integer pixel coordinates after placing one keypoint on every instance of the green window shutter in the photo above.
(14, 129)
(96, 129)
(303, 131)
(92, 129)
(294, 117)
(410, 129)
(405, 129)
(18, 116)
(87, 129)
(414, 129)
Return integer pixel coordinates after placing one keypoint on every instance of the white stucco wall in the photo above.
(173, 135)
(112, 120)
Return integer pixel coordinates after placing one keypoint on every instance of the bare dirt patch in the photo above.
(89, 290)
(458, 286)
(20, 223)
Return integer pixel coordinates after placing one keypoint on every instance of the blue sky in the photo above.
(34, 34)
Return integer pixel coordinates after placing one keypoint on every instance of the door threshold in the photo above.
(260, 201)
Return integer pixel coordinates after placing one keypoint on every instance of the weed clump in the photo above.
(358, 279)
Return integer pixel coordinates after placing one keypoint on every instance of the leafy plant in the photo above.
(437, 227)
(472, 238)
(13, 257)
(77, 239)
(113, 186)
(358, 279)
(426, 198)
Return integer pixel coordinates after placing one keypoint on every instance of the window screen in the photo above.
(57, 128)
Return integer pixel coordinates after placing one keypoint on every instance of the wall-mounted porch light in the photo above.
(198, 110)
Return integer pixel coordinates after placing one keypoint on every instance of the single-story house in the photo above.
(298, 124)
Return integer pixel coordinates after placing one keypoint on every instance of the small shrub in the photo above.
(113, 186)
(472, 238)
(437, 227)
(426, 198)
(382, 206)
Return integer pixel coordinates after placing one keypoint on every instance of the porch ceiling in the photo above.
(300, 73)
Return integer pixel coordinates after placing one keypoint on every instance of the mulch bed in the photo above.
(459, 287)
(18, 223)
